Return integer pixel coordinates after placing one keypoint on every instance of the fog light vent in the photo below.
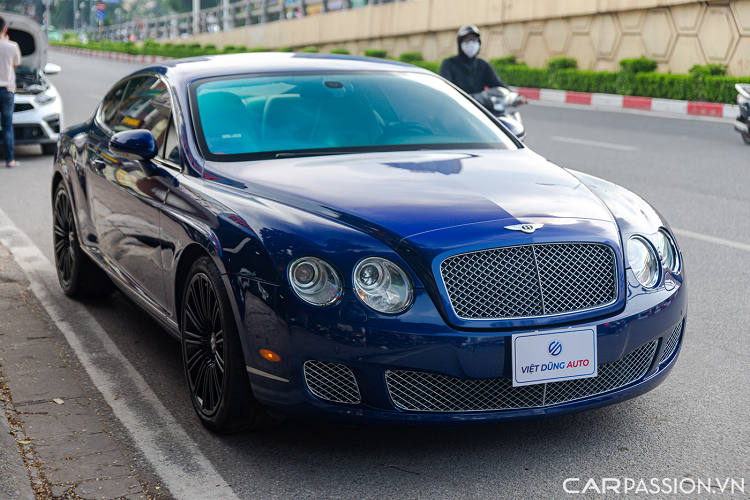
(672, 342)
(331, 382)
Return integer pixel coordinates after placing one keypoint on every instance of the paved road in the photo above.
(694, 425)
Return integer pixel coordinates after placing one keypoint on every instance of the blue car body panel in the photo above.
(414, 208)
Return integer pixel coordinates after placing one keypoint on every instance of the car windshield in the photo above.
(265, 117)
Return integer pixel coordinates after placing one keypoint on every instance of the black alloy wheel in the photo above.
(78, 275)
(212, 356)
(64, 238)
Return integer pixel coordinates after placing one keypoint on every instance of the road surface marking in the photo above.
(584, 142)
(175, 457)
(712, 239)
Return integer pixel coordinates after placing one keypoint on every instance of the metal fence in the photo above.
(224, 17)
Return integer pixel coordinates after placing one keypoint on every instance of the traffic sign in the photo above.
(100, 15)
(101, 6)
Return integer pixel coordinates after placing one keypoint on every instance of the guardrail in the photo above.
(225, 18)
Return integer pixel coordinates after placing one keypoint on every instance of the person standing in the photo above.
(10, 57)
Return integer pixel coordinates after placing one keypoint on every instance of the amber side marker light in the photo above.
(269, 355)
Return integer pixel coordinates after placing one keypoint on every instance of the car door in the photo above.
(126, 196)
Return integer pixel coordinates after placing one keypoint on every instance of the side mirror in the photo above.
(138, 144)
(52, 69)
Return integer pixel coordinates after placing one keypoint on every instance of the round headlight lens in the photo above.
(667, 250)
(643, 261)
(382, 285)
(315, 281)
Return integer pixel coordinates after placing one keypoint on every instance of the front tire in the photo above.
(212, 356)
(78, 276)
(746, 138)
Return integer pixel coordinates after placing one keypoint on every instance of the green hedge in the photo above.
(636, 77)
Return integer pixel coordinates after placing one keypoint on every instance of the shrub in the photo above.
(255, 49)
(428, 65)
(708, 70)
(311, 50)
(285, 49)
(210, 49)
(639, 65)
(585, 81)
(340, 50)
(522, 76)
(503, 61)
(240, 49)
(558, 63)
(411, 57)
(228, 49)
(380, 53)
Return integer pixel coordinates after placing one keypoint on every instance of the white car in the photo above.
(38, 115)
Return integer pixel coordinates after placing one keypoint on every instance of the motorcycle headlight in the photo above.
(667, 250)
(498, 103)
(315, 281)
(382, 285)
(643, 261)
(44, 99)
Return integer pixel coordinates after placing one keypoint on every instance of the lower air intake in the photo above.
(331, 382)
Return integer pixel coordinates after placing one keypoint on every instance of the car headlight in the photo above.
(315, 281)
(667, 250)
(382, 285)
(44, 99)
(643, 261)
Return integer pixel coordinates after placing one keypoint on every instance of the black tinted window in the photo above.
(111, 104)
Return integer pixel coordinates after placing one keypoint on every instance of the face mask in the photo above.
(470, 48)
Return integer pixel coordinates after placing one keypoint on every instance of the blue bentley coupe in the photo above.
(357, 241)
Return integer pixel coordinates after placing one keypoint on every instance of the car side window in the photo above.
(147, 104)
(111, 104)
(171, 145)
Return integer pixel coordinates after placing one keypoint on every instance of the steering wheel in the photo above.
(395, 129)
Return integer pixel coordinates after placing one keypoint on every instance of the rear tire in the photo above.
(49, 149)
(212, 356)
(746, 138)
(78, 276)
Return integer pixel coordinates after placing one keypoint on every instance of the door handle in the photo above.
(99, 164)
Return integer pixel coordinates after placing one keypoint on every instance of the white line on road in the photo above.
(175, 457)
(584, 142)
(712, 239)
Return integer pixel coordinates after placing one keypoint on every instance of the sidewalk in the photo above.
(68, 452)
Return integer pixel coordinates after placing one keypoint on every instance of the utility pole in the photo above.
(196, 16)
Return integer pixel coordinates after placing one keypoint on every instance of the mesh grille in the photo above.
(429, 392)
(331, 382)
(672, 342)
(530, 280)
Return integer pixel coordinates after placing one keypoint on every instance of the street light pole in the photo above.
(196, 16)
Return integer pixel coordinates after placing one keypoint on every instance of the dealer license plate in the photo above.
(552, 356)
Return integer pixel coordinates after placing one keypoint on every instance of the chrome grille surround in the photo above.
(430, 392)
(331, 382)
(530, 281)
(671, 343)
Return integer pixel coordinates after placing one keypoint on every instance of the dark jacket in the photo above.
(470, 75)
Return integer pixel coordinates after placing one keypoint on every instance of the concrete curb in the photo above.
(114, 56)
(669, 106)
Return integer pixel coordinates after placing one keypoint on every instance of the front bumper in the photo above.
(38, 125)
(420, 341)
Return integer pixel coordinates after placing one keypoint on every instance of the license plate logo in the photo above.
(553, 356)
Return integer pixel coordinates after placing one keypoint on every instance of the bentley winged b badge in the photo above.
(526, 228)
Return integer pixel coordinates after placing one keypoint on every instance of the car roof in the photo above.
(194, 68)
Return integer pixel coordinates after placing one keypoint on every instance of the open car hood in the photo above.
(29, 36)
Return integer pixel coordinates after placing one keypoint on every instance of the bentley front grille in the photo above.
(672, 341)
(331, 382)
(430, 392)
(530, 281)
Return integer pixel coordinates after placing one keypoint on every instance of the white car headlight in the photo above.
(43, 99)
(315, 281)
(667, 250)
(643, 261)
(382, 285)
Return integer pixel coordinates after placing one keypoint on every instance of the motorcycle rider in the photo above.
(467, 71)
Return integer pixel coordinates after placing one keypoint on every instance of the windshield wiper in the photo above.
(301, 154)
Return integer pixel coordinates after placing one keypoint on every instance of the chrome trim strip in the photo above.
(264, 374)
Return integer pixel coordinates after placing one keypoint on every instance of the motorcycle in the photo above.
(503, 103)
(742, 125)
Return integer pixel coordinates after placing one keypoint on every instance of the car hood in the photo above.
(396, 196)
(30, 39)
